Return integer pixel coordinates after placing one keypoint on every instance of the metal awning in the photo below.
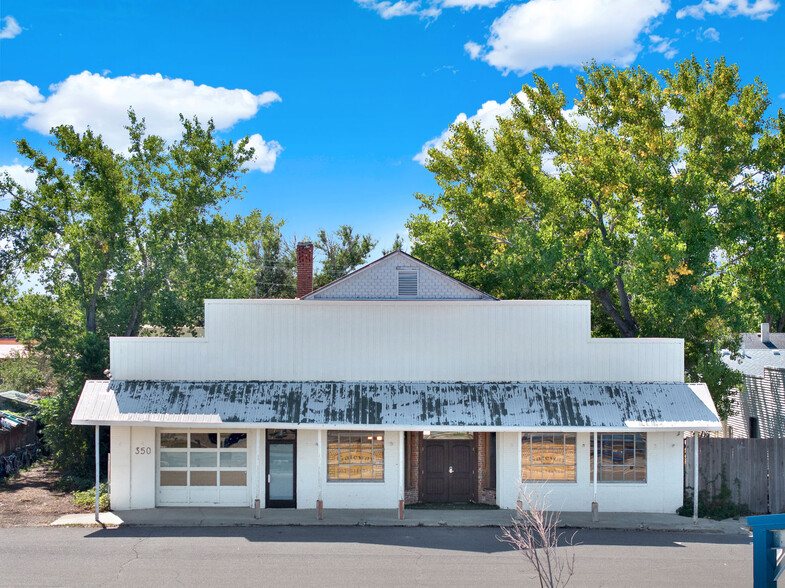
(410, 406)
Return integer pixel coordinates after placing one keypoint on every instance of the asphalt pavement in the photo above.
(356, 556)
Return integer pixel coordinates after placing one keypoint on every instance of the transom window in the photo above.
(622, 457)
(203, 459)
(548, 457)
(355, 457)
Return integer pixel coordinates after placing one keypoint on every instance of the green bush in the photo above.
(719, 505)
(86, 499)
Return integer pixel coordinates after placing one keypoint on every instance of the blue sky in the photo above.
(340, 97)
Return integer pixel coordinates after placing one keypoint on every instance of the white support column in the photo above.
(695, 478)
(319, 474)
(401, 473)
(97, 475)
(595, 508)
(258, 477)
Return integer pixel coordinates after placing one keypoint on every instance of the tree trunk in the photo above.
(626, 327)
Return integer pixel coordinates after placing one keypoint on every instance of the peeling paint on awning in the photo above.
(400, 405)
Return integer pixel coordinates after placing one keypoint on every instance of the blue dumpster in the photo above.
(768, 543)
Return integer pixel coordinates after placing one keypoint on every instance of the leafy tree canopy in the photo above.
(343, 252)
(659, 197)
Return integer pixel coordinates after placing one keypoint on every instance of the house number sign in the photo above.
(143, 451)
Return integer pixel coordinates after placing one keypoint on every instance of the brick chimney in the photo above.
(764, 333)
(304, 269)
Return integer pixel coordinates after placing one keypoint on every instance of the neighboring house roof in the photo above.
(8, 346)
(400, 406)
(378, 281)
(753, 341)
(751, 362)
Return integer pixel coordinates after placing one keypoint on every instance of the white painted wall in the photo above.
(662, 491)
(345, 494)
(133, 474)
(492, 341)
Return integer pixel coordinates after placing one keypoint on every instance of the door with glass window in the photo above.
(281, 489)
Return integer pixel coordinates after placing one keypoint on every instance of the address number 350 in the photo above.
(144, 450)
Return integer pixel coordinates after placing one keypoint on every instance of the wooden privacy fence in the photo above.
(754, 470)
(16, 437)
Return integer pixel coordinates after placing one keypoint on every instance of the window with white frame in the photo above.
(548, 457)
(355, 456)
(622, 457)
(203, 459)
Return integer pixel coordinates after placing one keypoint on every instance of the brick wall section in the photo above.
(485, 495)
(380, 282)
(304, 269)
(412, 490)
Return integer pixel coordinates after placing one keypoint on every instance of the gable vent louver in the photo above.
(407, 284)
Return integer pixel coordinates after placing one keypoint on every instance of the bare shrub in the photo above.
(534, 533)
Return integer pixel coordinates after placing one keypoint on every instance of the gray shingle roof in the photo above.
(753, 341)
(400, 406)
(752, 361)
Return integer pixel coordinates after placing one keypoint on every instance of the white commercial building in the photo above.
(396, 384)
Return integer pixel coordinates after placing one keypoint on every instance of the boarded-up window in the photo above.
(548, 457)
(355, 456)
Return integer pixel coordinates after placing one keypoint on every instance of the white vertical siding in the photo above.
(662, 492)
(397, 341)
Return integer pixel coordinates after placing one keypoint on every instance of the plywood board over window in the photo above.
(355, 456)
(548, 457)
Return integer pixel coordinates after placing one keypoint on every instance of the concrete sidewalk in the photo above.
(242, 517)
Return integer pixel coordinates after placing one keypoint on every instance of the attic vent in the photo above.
(407, 284)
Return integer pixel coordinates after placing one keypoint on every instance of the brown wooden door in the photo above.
(448, 472)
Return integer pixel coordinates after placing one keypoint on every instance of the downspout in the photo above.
(695, 478)
(97, 477)
(595, 511)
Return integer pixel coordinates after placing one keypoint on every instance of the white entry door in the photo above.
(202, 468)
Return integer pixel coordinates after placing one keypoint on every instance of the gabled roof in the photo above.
(410, 406)
(402, 257)
(753, 341)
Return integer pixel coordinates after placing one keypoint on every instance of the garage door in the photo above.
(203, 468)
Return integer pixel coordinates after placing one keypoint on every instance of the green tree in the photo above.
(119, 240)
(396, 245)
(343, 252)
(272, 261)
(638, 197)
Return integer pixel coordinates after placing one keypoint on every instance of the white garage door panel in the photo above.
(202, 468)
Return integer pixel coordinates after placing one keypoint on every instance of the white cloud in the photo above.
(18, 98)
(467, 4)
(663, 45)
(387, 9)
(265, 153)
(711, 34)
(755, 9)
(89, 99)
(782, 96)
(549, 33)
(20, 175)
(10, 29)
(473, 49)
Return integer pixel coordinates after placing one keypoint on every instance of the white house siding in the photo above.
(662, 491)
(480, 341)
(380, 281)
(133, 475)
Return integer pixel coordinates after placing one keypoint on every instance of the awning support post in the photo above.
(695, 477)
(319, 476)
(97, 476)
(595, 510)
